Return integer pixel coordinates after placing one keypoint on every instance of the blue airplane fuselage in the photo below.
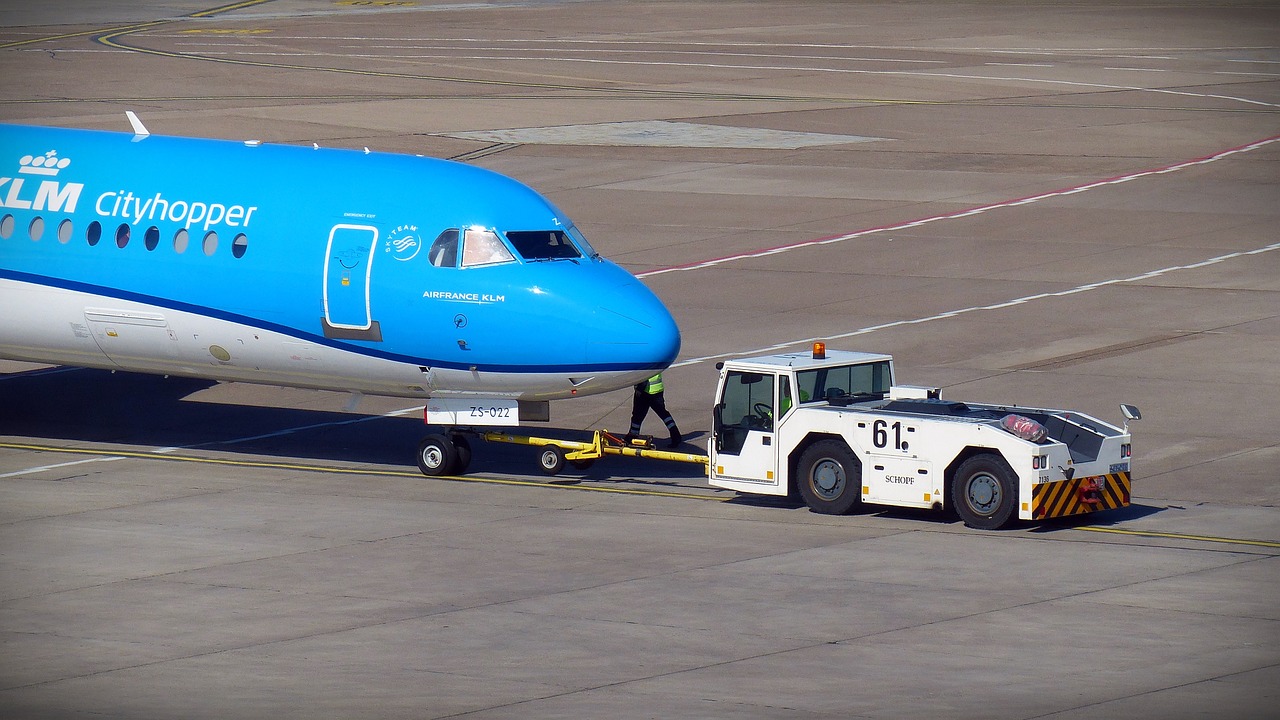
(338, 269)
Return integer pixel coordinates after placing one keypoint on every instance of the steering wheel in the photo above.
(763, 411)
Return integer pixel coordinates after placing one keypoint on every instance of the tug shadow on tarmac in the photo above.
(947, 517)
(1105, 518)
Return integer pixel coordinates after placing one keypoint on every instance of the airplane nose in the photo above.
(633, 330)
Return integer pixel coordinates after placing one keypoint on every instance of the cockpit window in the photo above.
(543, 244)
(483, 247)
(444, 251)
(583, 245)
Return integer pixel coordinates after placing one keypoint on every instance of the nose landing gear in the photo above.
(444, 454)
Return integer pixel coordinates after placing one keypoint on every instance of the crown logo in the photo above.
(46, 164)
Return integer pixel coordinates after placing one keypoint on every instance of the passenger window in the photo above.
(6, 227)
(64, 232)
(543, 244)
(93, 233)
(36, 228)
(180, 240)
(482, 247)
(122, 235)
(444, 251)
(210, 243)
(239, 245)
(152, 237)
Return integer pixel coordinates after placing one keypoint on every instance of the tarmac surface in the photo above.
(1071, 205)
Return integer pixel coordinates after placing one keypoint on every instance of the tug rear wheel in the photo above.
(985, 492)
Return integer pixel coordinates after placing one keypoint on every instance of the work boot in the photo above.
(676, 437)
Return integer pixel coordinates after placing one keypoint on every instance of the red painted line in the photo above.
(1214, 157)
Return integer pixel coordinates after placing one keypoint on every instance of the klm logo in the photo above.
(49, 195)
(47, 164)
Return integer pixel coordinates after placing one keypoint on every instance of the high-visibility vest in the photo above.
(653, 385)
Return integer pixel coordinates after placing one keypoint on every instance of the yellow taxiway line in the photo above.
(156, 455)
(1181, 536)
(153, 455)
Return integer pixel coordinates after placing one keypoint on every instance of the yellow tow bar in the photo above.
(556, 452)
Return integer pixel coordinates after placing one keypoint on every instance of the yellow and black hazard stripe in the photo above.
(1080, 495)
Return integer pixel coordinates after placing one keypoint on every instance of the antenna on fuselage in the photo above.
(138, 128)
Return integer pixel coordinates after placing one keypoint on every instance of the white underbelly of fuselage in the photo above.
(66, 327)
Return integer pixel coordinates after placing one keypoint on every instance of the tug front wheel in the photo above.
(830, 478)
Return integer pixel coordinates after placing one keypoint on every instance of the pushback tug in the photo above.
(834, 428)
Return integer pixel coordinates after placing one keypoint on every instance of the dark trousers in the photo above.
(642, 403)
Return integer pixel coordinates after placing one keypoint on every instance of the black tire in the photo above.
(583, 464)
(462, 447)
(984, 492)
(830, 478)
(551, 459)
(436, 456)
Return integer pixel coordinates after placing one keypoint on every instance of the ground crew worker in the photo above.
(648, 394)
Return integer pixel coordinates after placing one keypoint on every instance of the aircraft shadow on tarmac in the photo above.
(100, 406)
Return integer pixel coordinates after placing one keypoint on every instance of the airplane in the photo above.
(365, 272)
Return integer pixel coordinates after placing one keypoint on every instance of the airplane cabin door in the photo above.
(348, 265)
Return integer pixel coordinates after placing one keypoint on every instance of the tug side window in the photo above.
(836, 382)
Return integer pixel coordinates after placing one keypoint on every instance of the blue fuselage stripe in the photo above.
(214, 313)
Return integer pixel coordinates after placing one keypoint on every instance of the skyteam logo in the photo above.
(49, 195)
(403, 243)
